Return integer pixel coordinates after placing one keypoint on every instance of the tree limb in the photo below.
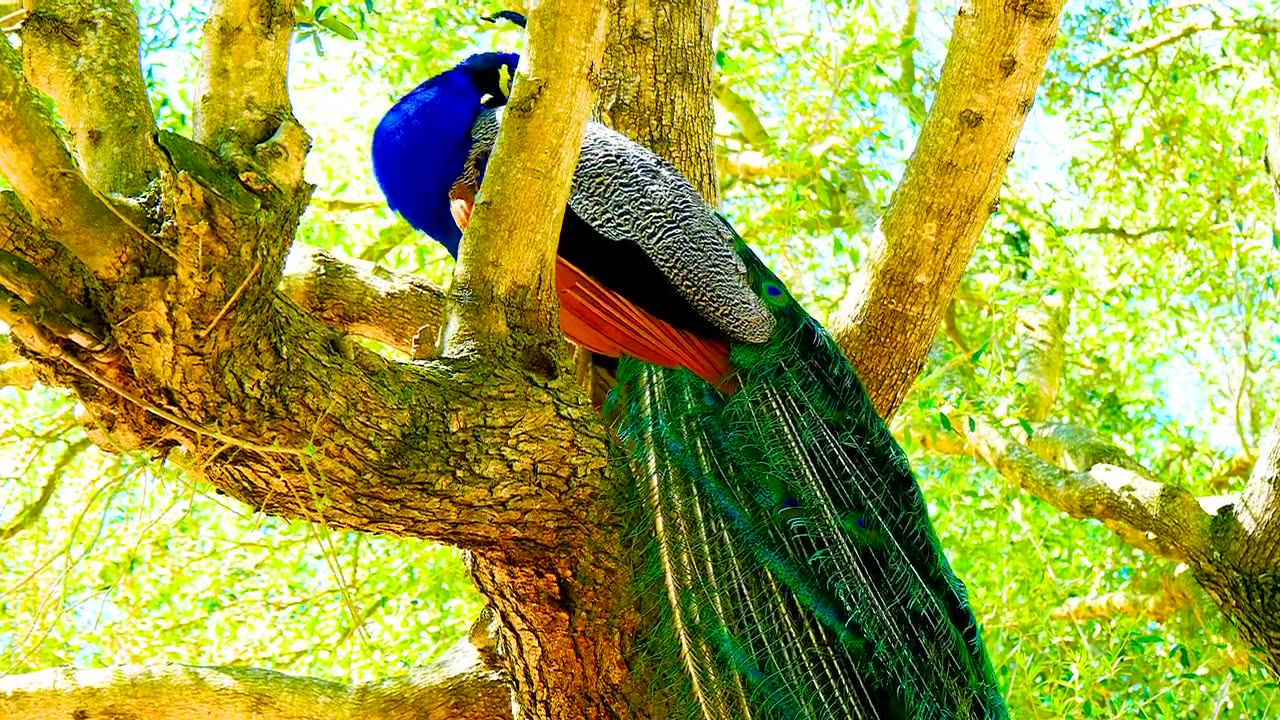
(29, 514)
(46, 178)
(46, 304)
(1258, 26)
(1259, 514)
(906, 85)
(1041, 353)
(84, 54)
(1258, 546)
(1162, 518)
(242, 93)
(743, 112)
(456, 687)
(923, 244)
(1122, 232)
(364, 299)
(505, 277)
(1173, 594)
(753, 165)
(339, 204)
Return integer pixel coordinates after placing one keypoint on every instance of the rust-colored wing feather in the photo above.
(606, 323)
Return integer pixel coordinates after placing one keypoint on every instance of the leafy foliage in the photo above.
(1136, 192)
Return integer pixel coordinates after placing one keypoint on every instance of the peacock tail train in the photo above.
(802, 576)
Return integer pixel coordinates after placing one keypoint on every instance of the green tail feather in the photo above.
(800, 575)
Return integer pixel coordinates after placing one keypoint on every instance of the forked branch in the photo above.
(46, 178)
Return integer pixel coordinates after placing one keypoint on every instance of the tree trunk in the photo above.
(656, 85)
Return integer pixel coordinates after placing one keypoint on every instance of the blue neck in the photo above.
(419, 149)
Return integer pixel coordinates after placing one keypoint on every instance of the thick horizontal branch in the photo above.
(1106, 486)
(924, 242)
(364, 299)
(84, 55)
(457, 687)
(46, 178)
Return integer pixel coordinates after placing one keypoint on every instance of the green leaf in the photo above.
(338, 27)
(1026, 427)
(945, 422)
(977, 354)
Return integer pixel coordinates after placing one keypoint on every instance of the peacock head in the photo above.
(491, 73)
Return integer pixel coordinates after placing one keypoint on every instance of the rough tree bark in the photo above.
(157, 303)
(657, 82)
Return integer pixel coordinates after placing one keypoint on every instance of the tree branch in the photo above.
(1163, 519)
(84, 54)
(456, 687)
(364, 299)
(743, 112)
(1258, 546)
(1041, 353)
(907, 62)
(753, 165)
(1173, 594)
(994, 63)
(1258, 26)
(347, 204)
(505, 278)
(1122, 232)
(47, 305)
(242, 93)
(29, 514)
(47, 180)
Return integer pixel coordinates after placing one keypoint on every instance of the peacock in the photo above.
(788, 549)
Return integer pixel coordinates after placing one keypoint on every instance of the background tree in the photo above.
(142, 274)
